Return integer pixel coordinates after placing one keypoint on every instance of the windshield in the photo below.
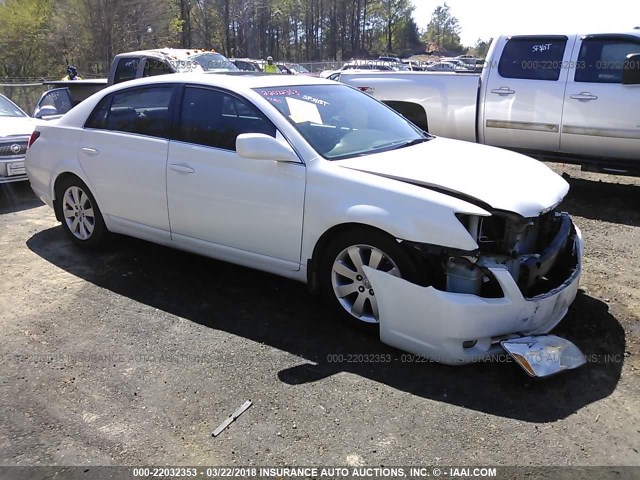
(341, 122)
(298, 68)
(207, 62)
(10, 109)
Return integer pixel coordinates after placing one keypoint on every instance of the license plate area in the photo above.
(16, 168)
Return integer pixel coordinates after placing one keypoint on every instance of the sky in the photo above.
(488, 18)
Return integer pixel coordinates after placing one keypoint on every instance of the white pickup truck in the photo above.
(573, 98)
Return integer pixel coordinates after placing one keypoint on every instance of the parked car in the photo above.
(293, 69)
(449, 66)
(15, 128)
(246, 64)
(359, 65)
(450, 247)
(572, 98)
(388, 58)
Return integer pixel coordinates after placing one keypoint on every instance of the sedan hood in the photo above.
(501, 179)
(11, 126)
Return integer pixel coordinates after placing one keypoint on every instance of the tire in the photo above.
(81, 217)
(343, 284)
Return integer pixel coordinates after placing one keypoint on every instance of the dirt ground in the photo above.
(135, 354)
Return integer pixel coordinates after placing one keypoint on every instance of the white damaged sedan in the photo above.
(454, 249)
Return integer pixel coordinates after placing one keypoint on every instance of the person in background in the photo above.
(270, 66)
(72, 74)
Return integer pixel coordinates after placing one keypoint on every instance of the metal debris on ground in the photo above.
(231, 418)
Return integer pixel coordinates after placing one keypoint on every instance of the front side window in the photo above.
(155, 66)
(340, 122)
(144, 111)
(601, 60)
(533, 58)
(214, 118)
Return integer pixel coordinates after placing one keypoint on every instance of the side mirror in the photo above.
(259, 146)
(45, 111)
(631, 70)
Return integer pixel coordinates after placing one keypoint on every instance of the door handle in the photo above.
(503, 91)
(584, 96)
(90, 151)
(181, 167)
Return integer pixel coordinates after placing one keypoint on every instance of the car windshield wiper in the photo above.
(409, 143)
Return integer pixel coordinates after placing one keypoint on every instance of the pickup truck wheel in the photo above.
(81, 218)
(343, 282)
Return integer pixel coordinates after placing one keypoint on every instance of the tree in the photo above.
(23, 42)
(444, 29)
(481, 48)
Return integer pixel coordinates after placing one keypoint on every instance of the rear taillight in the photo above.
(34, 136)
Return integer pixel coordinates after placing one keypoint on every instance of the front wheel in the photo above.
(343, 281)
(81, 218)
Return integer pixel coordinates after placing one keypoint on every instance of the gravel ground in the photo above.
(134, 355)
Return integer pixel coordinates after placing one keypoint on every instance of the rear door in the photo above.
(601, 115)
(124, 153)
(524, 92)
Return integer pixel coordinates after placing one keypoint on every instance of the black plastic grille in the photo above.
(13, 148)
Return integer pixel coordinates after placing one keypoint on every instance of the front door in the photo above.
(240, 207)
(524, 93)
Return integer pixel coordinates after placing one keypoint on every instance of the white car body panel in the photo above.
(130, 190)
(257, 204)
(10, 126)
(271, 215)
(539, 193)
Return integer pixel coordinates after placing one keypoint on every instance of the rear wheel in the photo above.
(343, 281)
(81, 218)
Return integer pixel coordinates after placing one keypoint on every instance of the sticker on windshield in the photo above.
(288, 92)
(542, 47)
(301, 111)
(317, 101)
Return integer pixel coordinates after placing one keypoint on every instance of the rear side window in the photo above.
(144, 111)
(214, 118)
(601, 60)
(126, 69)
(154, 66)
(533, 58)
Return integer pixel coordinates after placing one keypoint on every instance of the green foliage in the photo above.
(481, 48)
(24, 39)
(41, 37)
(444, 30)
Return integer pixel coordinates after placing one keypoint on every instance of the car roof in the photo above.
(247, 81)
(240, 82)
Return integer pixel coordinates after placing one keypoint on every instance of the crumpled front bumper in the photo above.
(436, 324)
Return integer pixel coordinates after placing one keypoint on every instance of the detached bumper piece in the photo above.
(543, 356)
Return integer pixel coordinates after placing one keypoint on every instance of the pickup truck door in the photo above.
(221, 204)
(524, 91)
(601, 115)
